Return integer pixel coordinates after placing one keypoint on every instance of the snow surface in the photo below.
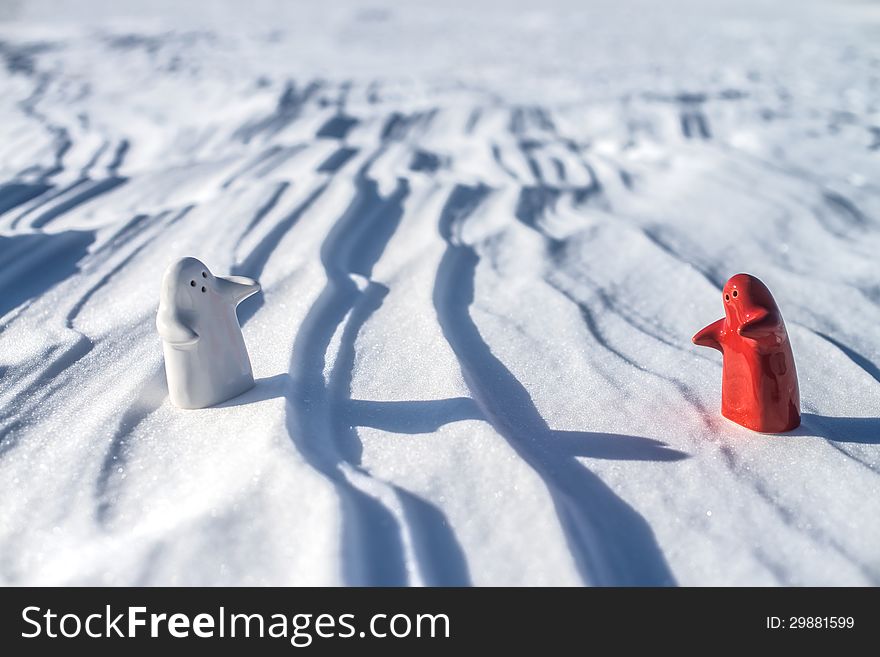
(485, 235)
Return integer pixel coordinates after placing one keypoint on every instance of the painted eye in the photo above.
(734, 294)
(193, 283)
(727, 297)
(204, 274)
(203, 288)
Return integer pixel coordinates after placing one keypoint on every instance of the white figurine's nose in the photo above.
(236, 288)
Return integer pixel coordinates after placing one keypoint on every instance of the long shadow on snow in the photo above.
(33, 263)
(373, 551)
(611, 543)
(13, 194)
(82, 192)
(437, 550)
(255, 262)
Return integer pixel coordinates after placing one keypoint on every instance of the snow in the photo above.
(485, 234)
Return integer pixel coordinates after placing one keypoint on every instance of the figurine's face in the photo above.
(196, 279)
(743, 294)
(189, 284)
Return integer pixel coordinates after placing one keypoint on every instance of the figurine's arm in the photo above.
(237, 288)
(759, 324)
(710, 336)
(174, 331)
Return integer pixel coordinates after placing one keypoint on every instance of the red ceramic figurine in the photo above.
(759, 387)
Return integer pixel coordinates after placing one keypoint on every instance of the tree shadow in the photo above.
(612, 544)
(852, 430)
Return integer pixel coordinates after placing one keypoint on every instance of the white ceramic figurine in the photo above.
(206, 361)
